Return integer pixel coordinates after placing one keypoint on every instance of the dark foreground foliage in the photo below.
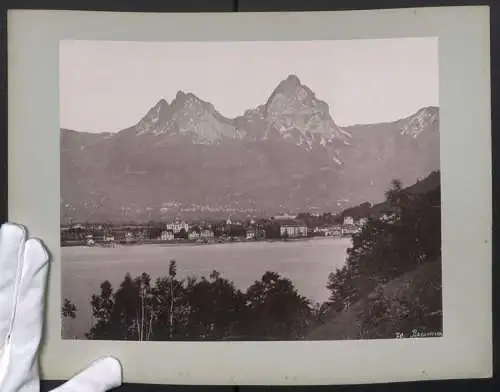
(204, 309)
(390, 286)
(408, 306)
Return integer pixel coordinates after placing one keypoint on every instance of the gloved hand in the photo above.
(23, 281)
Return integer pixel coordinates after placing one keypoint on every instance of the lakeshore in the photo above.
(183, 242)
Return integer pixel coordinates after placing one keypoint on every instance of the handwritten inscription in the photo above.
(419, 334)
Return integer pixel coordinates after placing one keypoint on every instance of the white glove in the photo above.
(23, 280)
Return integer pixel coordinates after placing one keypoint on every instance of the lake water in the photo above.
(307, 263)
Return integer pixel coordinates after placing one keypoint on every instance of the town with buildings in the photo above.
(179, 231)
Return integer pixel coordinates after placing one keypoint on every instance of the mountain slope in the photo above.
(286, 155)
(421, 288)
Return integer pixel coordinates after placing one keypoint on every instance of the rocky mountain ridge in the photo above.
(286, 155)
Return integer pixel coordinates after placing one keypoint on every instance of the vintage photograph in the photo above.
(250, 191)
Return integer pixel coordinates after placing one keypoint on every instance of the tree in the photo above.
(236, 231)
(308, 218)
(172, 308)
(146, 312)
(154, 232)
(182, 234)
(343, 288)
(68, 309)
(395, 192)
(217, 308)
(275, 309)
(172, 272)
(102, 309)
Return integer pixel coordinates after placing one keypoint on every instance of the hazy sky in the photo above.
(107, 86)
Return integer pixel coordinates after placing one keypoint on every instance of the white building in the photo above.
(250, 234)
(293, 229)
(207, 234)
(167, 235)
(193, 235)
(348, 220)
(177, 226)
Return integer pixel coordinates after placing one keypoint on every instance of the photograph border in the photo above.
(38, 214)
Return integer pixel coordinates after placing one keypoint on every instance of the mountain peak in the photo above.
(181, 95)
(429, 110)
(424, 118)
(155, 117)
(183, 98)
(298, 115)
(158, 107)
(291, 85)
(162, 102)
(292, 78)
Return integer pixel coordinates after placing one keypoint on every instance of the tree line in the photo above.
(209, 308)
(212, 308)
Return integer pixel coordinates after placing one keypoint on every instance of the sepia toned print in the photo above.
(250, 191)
